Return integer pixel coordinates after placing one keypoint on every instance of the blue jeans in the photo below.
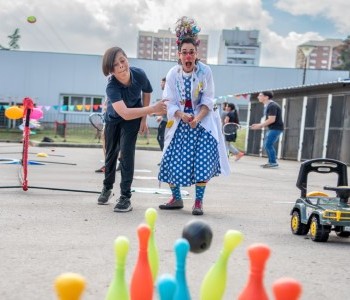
(270, 139)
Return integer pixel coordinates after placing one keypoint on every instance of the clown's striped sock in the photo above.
(200, 188)
(175, 190)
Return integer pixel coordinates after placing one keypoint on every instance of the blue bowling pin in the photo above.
(182, 247)
(166, 287)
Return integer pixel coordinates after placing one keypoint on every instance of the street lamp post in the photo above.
(306, 49)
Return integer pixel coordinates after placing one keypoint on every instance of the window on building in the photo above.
(81, 104)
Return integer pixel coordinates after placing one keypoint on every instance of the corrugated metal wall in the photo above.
(309, 133)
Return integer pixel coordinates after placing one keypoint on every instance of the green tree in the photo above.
(13, 43)
(344, 50)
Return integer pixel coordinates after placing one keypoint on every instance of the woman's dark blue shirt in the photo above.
(131, 95)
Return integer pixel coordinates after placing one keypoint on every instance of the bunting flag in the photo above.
(235, 96)
(80, 107)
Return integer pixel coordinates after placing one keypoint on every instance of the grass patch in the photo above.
(87, 135)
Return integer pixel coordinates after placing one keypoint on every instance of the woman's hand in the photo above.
(185, 117)
(160, 107)
(143, 125)
(194, 122)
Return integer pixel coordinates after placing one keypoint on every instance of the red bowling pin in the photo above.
(254, 289)
(286, 289)
(141, 287)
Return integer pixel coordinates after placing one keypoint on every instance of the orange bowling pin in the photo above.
(286, 289)
(141, 287)
(254, 289)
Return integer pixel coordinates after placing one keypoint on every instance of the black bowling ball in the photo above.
(199, 235)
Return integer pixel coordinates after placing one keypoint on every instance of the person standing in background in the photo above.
(274, 123)
(232, 117)
(162, 120)
(223, 113)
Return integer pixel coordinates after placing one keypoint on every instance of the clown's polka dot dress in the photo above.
(192, 155)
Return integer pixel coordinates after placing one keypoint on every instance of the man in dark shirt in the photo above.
(274, 122)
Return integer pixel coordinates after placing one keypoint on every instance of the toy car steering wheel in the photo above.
(343, 192)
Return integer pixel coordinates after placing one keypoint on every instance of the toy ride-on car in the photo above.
(318, 212)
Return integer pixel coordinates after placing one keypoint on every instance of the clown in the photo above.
(194, 148)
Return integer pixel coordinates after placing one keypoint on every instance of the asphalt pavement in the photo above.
(46, 232)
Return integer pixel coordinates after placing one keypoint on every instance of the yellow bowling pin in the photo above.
(118, 289)
(153, 255)
(214, 283)
(69, 286)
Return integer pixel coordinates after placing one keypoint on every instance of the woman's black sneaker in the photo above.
(123, 205)
(104, 196)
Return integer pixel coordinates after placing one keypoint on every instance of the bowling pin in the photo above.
(286, 289)
(141, 287)
(153, 256)
(166, 287)
(254, 289)
(214, 283)
(118, 288)
(69, 286)
(181, 247)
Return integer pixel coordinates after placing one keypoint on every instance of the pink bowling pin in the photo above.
(254, 289)
(141, 287)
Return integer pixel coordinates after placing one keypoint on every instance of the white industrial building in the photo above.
(71, 85)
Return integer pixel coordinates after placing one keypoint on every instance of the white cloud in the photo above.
(93, 26)
(280, 51)
(334, 10)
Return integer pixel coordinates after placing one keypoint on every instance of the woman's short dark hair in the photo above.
(231, 105)
(188, 40)
(268, 94)
(108, 59)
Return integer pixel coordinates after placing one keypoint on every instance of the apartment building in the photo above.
(320, 55)
(239, 47)
(162, 45)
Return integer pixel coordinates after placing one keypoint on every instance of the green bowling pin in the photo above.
(214, 283)
(153, 256)
(118, 288)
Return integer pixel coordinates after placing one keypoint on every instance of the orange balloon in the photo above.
(14, 113)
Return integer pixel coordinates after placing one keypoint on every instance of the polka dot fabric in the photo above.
(192, 155)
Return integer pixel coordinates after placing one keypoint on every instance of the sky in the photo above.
(91, 27)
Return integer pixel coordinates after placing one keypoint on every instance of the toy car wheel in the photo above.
(296, 226)
(344, 234)
(319, 233)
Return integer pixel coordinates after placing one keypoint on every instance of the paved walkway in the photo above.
(45, 233)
